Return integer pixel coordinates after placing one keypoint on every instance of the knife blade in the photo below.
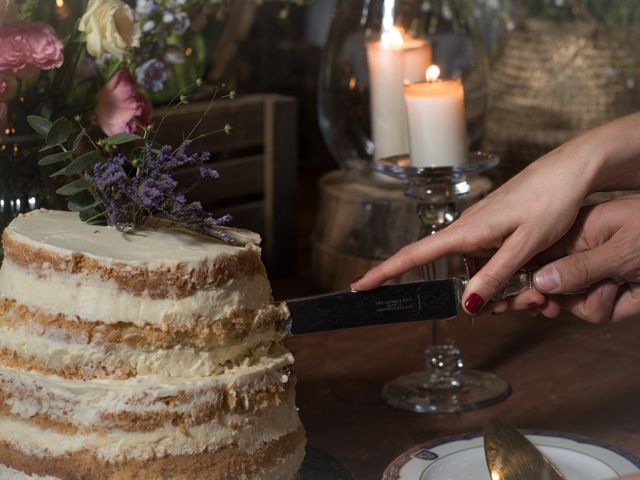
(407, 302)
(511, 456)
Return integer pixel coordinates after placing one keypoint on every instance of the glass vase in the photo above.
(24, 185)
(374, 47)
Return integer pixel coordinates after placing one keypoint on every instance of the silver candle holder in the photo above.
(445, 386)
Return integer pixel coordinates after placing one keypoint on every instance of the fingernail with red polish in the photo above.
(357, 279)
(474, 303)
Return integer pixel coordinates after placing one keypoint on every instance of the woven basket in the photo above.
(553, 81)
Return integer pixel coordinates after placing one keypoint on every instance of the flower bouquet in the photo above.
(125, 179)
(97, 62)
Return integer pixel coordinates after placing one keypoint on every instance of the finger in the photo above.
(627, 304)
(527, 300)
(550, 309)
(407, 258)
(492, 277)
(576, 272)
(595, 306)
(499, 307)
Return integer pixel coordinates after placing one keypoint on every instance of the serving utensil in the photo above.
(406, 302)
(511, 456)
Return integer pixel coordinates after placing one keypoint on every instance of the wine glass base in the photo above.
(477, 390)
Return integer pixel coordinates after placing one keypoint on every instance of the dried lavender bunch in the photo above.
(127, 179)
(133, 191)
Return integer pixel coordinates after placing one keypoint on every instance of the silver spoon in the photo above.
(511, 456)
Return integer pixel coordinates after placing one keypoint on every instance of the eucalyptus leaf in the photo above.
(81, 202)
(74, 187)
(47, 147)
(39, 124)
(93, 216)
(121, 138)
(55, 158)
(81, 163)
(59, 131)
(77, 140)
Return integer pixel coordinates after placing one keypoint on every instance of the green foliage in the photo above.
(39, 124)
(59, 132)
(77, 154)
(79, 164)
(122, 138)
(55, 158)
(77, 186)
(31, 10)
(82, 202)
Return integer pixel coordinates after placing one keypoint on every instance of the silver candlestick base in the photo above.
(444, 386)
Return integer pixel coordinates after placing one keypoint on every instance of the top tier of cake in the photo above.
(166, 277)
(153, 301)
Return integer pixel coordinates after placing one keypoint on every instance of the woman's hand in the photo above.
(602, 245)
(528, 214)
(524, 216)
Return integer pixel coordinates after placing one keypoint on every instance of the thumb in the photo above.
(576, 272)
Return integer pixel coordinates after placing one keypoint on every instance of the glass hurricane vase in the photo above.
(374, 47)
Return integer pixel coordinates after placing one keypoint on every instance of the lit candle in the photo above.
(394, 60)
(437, 126)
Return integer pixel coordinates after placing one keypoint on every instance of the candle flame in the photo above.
(432, 73)
(59, 3)
(394, 37)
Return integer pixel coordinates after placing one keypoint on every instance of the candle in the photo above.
(394, 60)
(437, 126)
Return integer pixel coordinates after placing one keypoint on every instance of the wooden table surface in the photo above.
(566, 375)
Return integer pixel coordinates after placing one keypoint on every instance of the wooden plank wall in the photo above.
(257, 163)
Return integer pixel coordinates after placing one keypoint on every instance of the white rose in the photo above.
(110, 27)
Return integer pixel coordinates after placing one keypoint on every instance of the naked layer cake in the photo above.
(155, 354)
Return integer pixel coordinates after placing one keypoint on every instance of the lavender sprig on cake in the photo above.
(126, 179)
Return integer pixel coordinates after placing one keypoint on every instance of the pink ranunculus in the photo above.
(26, 47)
(120, 107)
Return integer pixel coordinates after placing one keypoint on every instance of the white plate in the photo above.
(462, 458)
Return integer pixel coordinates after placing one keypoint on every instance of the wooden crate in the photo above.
(257, 163)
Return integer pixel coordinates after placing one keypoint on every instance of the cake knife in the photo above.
(407, 302)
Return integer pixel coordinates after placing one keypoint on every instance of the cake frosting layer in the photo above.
(277, 460)
(248, 432)
(18, 346)
(92, 298)
(63, 233)
(74, 348)
(7, 473)
(89, 403)
(162, 263)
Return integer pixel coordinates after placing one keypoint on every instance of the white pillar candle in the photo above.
(437, 125)
(394, 60)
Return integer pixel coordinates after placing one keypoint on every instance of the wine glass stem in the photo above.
(443, 357)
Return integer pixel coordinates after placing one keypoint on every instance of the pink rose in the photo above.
(26, 47)
(120, 107)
